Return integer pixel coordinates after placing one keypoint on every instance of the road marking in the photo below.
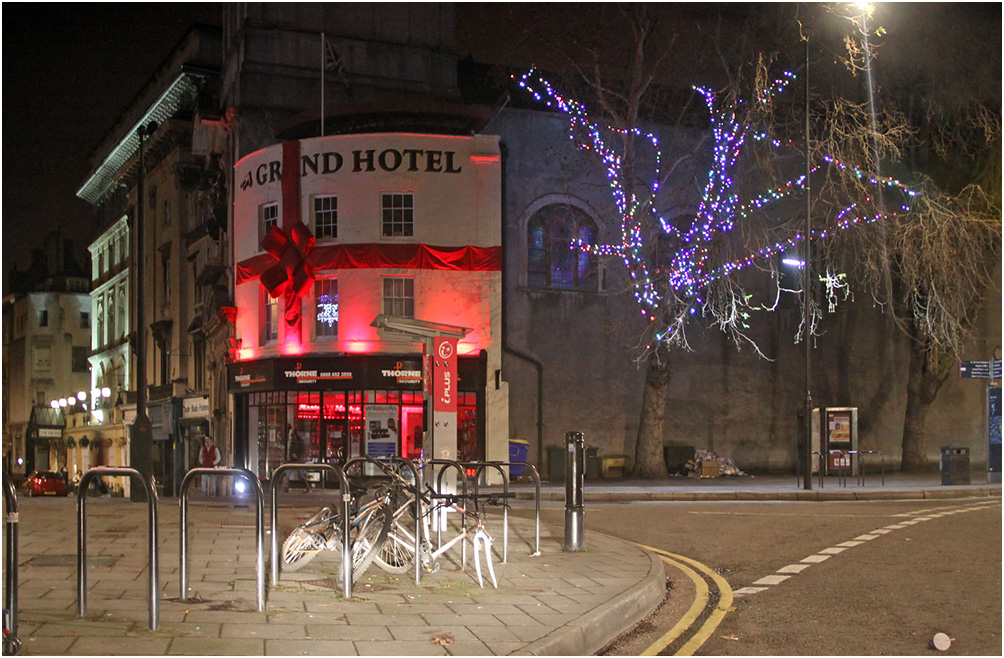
(827, 553)
(793, 568)
(749, 590)
(816, 559)
(695, 610)
(725, 598)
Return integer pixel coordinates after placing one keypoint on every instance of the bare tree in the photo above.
(929, 260)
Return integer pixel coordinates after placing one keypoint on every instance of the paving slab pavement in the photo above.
(557, 603)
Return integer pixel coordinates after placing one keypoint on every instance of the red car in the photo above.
(45, 483)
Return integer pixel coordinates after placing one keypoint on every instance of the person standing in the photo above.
(209, 457)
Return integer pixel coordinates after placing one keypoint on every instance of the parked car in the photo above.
(45, 483)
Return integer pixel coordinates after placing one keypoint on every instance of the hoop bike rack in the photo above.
(346, 501)
(151, 498)
(259, 527)
(11, 643)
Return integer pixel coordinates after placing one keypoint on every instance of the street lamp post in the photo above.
(806, 281)
(141, 434)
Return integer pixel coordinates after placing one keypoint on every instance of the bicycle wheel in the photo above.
(370, 537)
(397, 554)
(306, 541)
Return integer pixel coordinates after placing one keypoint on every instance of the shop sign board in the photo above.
(444, 397)
(50, 432)
(197, 407)
(327, 373)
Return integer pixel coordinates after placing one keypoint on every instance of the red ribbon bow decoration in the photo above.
(291, 267)
(291, 273)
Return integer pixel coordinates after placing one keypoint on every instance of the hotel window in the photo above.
(165, 275)
(398, 215)
(399, 297)
(326, 216)
(552, 259)
(326, 308)
(270, 319)
(268, 215)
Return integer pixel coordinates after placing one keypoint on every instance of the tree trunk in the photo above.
(926, 375)
(648, 458)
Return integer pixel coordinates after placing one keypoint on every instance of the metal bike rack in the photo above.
(11, 563)
(536, 499)
(151, 498)
(480, 466)
(418, 512)
(343, 484)
(259, 527)
(439, 487)
(861, 465)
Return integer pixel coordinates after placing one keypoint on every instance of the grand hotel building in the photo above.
(404, 225)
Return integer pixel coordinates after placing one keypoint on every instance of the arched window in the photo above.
(553, 260)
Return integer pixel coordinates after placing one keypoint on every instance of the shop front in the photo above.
(328, 409)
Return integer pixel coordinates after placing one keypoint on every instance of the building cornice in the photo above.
(181, 91)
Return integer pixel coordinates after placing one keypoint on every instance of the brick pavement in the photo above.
(555, 604)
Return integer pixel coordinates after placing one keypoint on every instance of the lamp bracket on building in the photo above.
(391, 327)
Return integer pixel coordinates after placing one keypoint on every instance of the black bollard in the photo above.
(574, 481)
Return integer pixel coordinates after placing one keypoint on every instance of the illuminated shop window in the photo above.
(326, 308)
(399, 296)
(553, 260)
(398, 215)
(326, 216)
(270, 319)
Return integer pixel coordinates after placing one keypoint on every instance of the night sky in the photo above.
(69, 71)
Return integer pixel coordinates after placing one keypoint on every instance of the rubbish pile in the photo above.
(707, 464)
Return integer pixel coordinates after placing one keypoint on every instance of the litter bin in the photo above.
(556, 463)
(955, 465)
(518, 451)
(592, 464)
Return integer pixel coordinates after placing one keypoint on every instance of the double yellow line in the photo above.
(696, 608)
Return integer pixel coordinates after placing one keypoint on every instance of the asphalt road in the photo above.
(863, 578)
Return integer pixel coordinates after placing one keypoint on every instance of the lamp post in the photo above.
(141, 433)
(806, 290)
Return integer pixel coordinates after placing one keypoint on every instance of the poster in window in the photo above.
(381, 430)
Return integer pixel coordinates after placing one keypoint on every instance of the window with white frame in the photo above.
(326, 216)
(268, 216)
(398, 215)
(326, 308)
(270, 319)
(399, 296)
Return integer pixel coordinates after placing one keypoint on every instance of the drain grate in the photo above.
(71, 560)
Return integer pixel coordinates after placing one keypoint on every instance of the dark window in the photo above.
(43, 318)
(85, 320)
(326, 216)
(398, 215)
(553, 257)
(79, 357)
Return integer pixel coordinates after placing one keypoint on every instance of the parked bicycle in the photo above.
(383, 530)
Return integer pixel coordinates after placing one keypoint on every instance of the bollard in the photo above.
(574, 481)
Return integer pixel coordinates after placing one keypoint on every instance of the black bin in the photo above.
(955, 465)
(592, 464)
(555, 463)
